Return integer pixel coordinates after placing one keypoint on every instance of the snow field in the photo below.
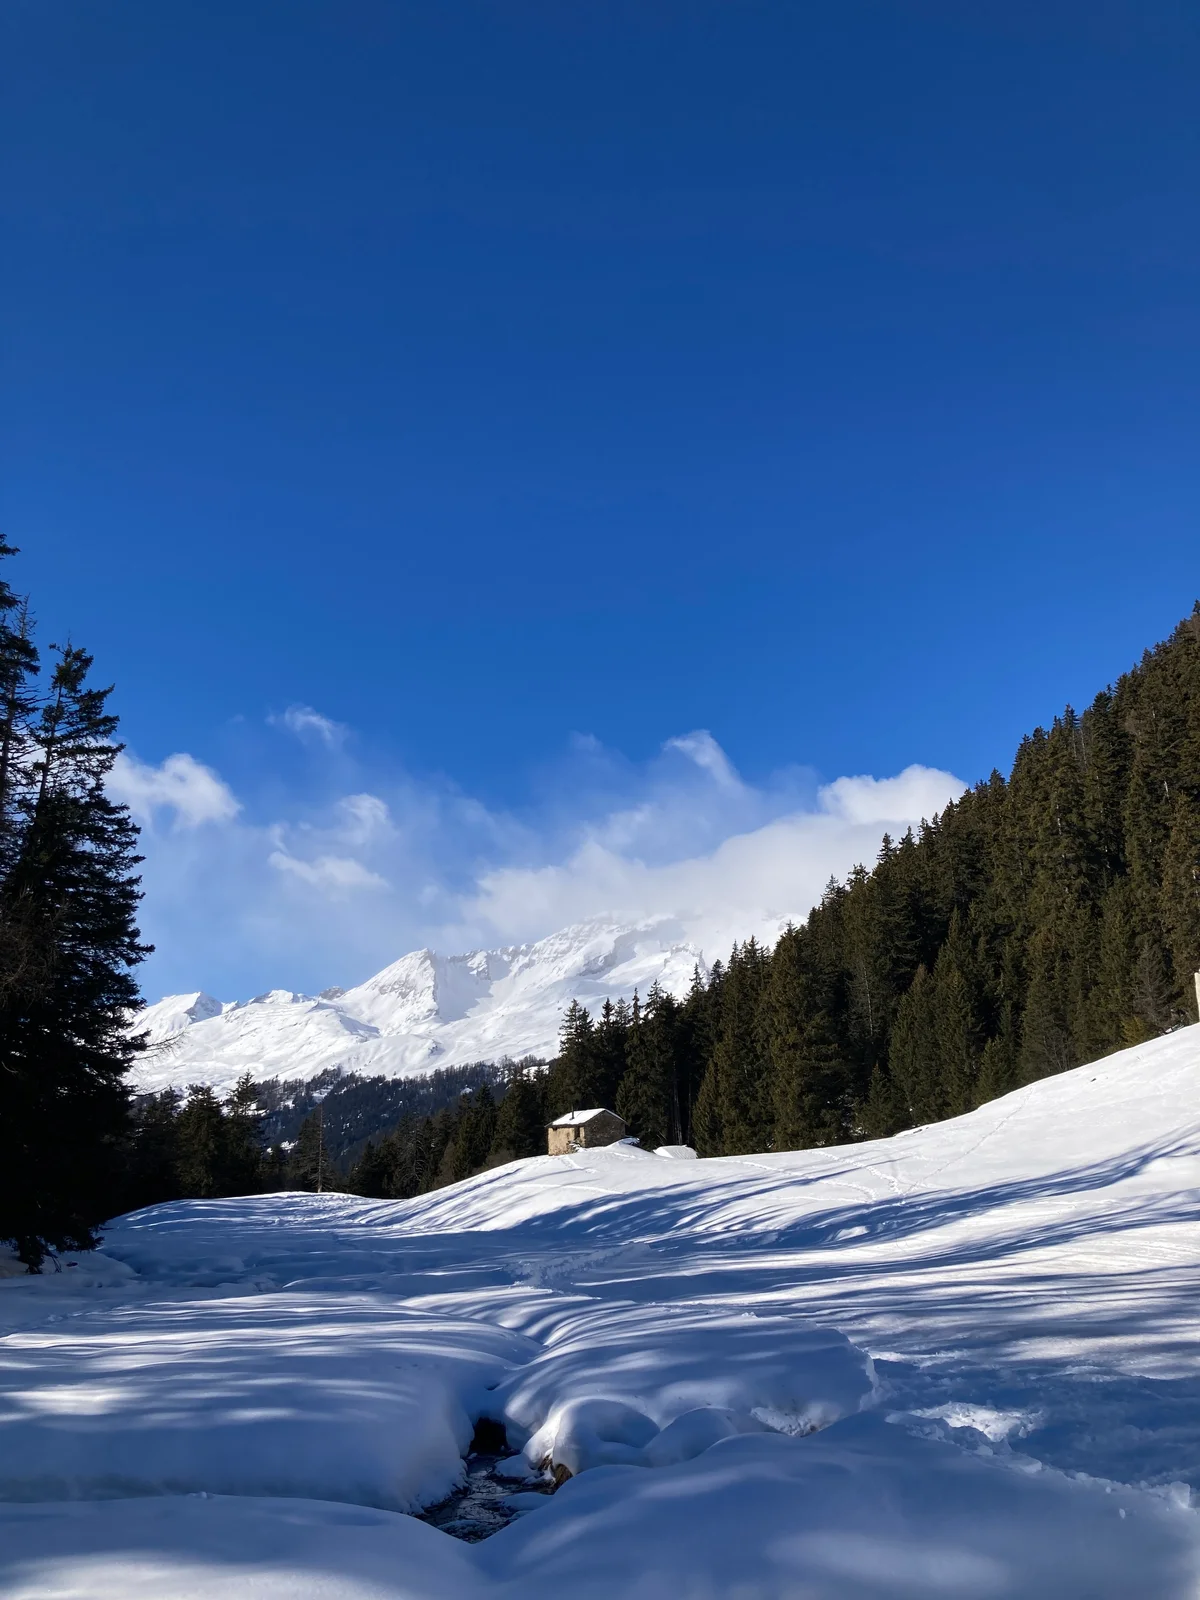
(990, 1325)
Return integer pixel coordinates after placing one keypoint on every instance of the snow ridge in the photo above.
(424, 1011)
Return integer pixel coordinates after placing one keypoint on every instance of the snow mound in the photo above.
(331, 1398)
(213, 1547)
(864, 1511)
(654, 1365)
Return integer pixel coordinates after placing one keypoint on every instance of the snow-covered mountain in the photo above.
(424, 1011)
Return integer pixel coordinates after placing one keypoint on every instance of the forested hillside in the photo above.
(1041, 921)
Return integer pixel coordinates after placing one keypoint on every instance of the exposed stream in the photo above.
(477, 1508)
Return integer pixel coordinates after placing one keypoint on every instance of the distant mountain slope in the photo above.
(424, 1011)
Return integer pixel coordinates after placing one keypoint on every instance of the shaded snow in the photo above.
(961, 1362)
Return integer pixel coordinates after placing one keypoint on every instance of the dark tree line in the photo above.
(68, 944)
(196, 1147)
(355, 1108)
(484, 1128)
(263, 1138)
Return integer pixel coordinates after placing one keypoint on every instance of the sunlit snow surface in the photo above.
(962, 1362)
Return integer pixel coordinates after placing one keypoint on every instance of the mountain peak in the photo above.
(422, 1011)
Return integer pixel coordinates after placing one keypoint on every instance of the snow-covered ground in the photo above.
(425, 1010)
(961, 1362)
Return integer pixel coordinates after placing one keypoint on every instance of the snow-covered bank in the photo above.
(989, 1323)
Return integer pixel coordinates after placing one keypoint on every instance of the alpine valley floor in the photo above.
(960, 1362)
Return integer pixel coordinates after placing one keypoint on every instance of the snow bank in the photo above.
(327, 1397)
(862, 1511)
(216, 1548)
(610, 1378)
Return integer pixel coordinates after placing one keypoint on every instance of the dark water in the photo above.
(477, 1509)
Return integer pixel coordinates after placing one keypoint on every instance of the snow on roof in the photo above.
(574, 1118)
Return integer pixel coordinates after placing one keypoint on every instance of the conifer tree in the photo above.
(200, 1132)
(609, 1041)
(576, 1075)
(912, 1058)
(739, 1066)
(883, 1112)
(520, 1121)
(70, 885)
(811, 1084)
(648, 1096)
(475, 1133)
(151, 1163)
(372, 1173)
(1179, 906)
(241, 1165)
(956, 1062)
(18, 709)
(309, 1167)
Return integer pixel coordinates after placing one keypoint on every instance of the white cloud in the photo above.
(337, 884)
(194, 793)
(751, 881)
(314, 855)
(914, 795)
(338, 875)
(306, 723)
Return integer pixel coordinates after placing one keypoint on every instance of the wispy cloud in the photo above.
(751, 881)
(348, 881)
(704, 750)
(331, 875)
(308, 724)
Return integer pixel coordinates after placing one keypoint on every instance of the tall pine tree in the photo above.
(69, 893)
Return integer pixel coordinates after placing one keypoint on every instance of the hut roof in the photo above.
(574, 1118)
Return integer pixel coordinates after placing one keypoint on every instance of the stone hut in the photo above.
(584, 1130)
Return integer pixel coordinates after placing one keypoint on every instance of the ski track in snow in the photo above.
(961, 1362)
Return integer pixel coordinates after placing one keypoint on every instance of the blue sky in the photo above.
(523, 387)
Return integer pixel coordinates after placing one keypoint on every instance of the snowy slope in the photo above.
(991, 1325)
(422, 1012)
